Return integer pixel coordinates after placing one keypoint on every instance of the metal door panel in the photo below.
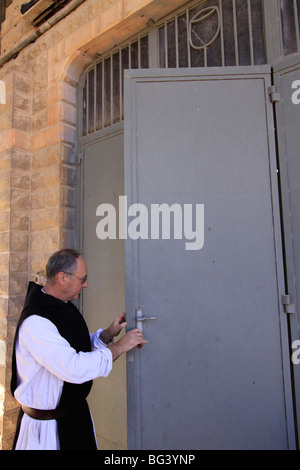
(286, 73)
(215, 374)
(102, 168)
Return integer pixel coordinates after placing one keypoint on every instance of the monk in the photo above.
(55, 360)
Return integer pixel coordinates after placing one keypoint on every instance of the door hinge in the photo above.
(80, 158)
(274, 97)
(78, 168)
(289, 307)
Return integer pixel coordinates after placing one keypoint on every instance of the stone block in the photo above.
(5, 159)
(39, 101)
(68, 174)
(4, 199)
(40, 159)
(20, 199)
(39, 120)
(52, 196)
(69, 93)
(20, 159)
(3, 306)
(6, 118)
(132, 6)
(4, 278)
(38, 259)
(40, 240)
(19, 220)
(112, 16)
(68, 218)
(68, 133)
(9, 422)
(53, 114)
(38, 199)
(4, 263)
(54, 94)
(68, 154)
(20, 139)
(20, 179)
(3, 327)
(18, 262)
(4, 179)
(15, 306)
(21, 120)
(6, 139)
(22, 101)
(22, 83)
(67, 238)
(18, 283)
(47, 136)
(4, 221)
(19, 241)
(45, 198)
(68, 113)
(2, 355)
(49, 177)
(44, 219)
(67, 197)
(4, 241)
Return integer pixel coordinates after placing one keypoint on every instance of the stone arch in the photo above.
(74, 66)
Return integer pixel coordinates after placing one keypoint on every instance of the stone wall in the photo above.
(38, 140)
(15, 185)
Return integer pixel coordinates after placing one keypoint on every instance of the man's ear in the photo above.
(61, 278)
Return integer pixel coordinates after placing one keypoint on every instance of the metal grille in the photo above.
(210, 33)
(103, 89)
(290, 26)
(214, 33)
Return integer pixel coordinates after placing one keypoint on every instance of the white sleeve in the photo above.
(96, 341)
(43, 341)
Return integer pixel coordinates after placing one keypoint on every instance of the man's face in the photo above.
(74, 283)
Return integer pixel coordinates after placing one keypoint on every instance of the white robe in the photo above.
(44, 361)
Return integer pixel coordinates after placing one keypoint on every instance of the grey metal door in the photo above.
(215, 373)
(102, 174)
(287, 84)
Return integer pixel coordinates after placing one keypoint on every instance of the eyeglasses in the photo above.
(83, 280)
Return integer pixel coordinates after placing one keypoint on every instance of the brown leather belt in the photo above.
(46, 414)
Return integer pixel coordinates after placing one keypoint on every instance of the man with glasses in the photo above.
(55, 360)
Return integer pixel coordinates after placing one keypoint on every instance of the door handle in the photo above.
(140, 318)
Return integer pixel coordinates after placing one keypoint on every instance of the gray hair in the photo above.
(64, 260)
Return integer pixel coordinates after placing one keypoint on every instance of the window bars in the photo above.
(103, 89)
(207, 34)
(290, 26)
(212, 33)
(217, 33)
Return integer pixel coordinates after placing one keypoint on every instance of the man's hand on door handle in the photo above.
(129, 341)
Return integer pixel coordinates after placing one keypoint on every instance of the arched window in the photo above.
(103, 89)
